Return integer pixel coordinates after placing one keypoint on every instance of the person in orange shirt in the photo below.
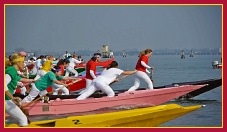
(141, 67)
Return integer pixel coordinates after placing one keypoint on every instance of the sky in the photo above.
(62, 28)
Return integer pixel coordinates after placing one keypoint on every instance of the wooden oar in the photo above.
(32, 102)
(151, 76)
(26, 112)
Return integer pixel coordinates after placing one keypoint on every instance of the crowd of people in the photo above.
(48, 75)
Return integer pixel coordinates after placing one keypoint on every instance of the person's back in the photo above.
(109, 75)
(139, 66)
(48, 64)
(103, 81)
(46, 80)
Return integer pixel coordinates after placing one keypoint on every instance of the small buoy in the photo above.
(203, 105)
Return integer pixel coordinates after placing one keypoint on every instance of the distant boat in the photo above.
(191, 54)
(124, 53)
(105, 51)
(216, 65)
(182, 54)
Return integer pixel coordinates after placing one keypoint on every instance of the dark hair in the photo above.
(97, 54)
(60, 62)
(94, 56)
(66, 61)
(55, 69)
(42, 56)
(112, 64)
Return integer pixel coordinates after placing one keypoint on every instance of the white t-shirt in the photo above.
(38, 64)
(109, 75)
(73, 62)
(66, 55)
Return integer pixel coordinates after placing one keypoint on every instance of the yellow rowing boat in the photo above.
(140, 117)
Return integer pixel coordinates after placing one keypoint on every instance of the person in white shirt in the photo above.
(31, 67)
(103, 81)
(70, 68)
(66, 55)
(39, 62)
(111, 54)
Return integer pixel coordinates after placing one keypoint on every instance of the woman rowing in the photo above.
(91, 70)
(12, 78)
(141, 68)
(46, 67)
(71, 66)
(40, 86)
(62, 63)
(103, 81)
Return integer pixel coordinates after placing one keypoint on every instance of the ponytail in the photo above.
(141, 53)
(144, 52)
(112, 65)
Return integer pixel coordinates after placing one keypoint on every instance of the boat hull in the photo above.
(141, 117)
(212, 84)
(136, 98)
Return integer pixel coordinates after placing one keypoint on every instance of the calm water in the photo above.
(170, 69)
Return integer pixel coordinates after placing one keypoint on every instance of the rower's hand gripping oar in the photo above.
(78, 79)
(32, 102)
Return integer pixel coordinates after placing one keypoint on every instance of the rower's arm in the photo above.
(92, 74)
(8, 80)
(128, 72)
(60, 83)
(145, 65)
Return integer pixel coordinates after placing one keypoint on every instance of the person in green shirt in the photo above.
(14, 63)
(40, 86)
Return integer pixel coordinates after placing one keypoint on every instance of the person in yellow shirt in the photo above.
(47, 65)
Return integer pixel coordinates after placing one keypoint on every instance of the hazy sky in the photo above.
(62, 28)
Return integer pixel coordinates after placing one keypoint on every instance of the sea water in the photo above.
(172, 69)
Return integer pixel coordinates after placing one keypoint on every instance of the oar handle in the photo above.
(151, 76)
(28, 104)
